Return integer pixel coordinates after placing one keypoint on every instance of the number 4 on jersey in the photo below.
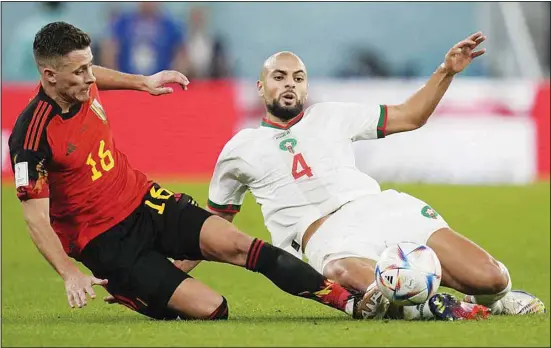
(300, 167)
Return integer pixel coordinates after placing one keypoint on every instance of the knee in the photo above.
(221, 312)
(338, 272)
(490, 278)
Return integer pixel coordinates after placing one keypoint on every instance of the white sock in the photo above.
(492, 301)
(418, 312)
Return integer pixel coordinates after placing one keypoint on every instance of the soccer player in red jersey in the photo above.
(82, 199)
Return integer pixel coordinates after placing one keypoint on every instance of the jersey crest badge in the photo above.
(428, 212)
(288, 145)
(98, 110)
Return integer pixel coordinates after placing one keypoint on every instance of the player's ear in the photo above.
(48, 74)
(260, 88)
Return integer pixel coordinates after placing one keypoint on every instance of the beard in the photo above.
(284, 113)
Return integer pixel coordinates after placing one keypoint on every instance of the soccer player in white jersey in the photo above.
(299, 165)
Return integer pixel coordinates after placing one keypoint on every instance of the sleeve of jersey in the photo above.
(227, 190)
(31, 175)
(30, 154)
(358, 121)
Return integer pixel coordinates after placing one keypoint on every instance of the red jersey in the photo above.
(71, 158)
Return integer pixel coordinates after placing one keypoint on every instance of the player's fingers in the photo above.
(82, 296)
(173, 76)
(480, 39)
(97, 281)
(476, 35)
(76, 297)
(465, 43)
(71, 299)
(478, 53)
(91, 292)
(182, 80)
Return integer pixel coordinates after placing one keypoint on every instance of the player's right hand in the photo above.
(77, 285)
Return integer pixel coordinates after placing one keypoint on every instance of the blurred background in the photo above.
(490, 127)
(338, 40)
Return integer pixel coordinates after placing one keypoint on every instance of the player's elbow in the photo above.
(401, 119)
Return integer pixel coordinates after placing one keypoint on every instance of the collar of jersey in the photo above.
(268, 123)
(57, 109)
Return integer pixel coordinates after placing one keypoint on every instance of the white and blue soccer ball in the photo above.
(408, 273)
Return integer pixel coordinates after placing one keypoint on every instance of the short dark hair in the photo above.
(58, 39)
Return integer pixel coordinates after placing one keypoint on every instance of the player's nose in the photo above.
(90, 78)
(290, 84)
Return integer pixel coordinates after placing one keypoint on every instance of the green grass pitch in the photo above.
(511, 222)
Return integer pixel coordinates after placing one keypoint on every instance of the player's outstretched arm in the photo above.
(108, 79)
(77, 284)
(415, 112)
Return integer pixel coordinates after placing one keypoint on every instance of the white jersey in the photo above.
(300, 172)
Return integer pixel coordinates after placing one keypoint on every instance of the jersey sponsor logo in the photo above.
(98, 110)
(428, 212)
(282, 135)
(288, 145)
(21, 174)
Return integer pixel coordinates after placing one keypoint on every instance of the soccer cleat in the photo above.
(447, 307)
(372, 305)
(516, 302)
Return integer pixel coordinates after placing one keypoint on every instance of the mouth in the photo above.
(288, 97)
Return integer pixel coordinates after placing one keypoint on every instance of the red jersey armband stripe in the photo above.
(227, 208)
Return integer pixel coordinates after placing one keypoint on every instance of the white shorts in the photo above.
(367, 226)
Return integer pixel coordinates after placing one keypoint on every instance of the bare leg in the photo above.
(222, 241)
(351, 272)
(466, 267)
(193, 299)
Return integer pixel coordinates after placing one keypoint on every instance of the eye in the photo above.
(278, 77)
(79, 72)
(299, 79)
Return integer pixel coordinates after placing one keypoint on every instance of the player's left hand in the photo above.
(156, 84)
(463, 53)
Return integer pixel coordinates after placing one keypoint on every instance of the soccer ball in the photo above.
(408, 273)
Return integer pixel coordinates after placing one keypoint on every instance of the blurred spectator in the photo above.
(365, 63)
(206, 54)
(19, 56)
(144, 41)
